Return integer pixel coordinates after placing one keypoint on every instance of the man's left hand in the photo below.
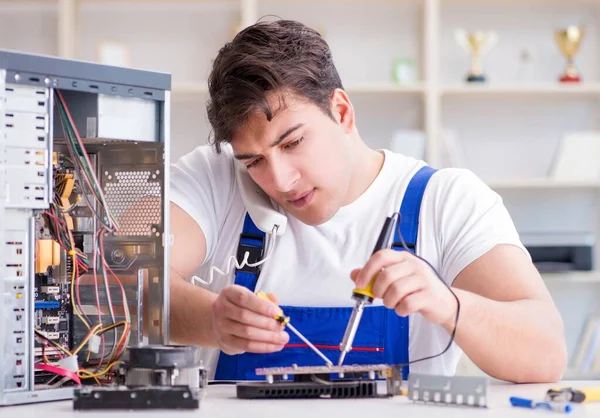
(407, 284)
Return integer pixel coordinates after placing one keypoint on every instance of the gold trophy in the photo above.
(477, 44)
(569, 40)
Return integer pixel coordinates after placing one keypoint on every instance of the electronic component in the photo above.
(363, 381)
(329, 381)
(162, 377)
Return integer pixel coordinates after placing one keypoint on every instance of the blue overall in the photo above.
(382, 336)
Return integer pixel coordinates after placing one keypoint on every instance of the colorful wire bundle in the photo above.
(57, 222)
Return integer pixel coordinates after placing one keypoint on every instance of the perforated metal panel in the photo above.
(123, 189)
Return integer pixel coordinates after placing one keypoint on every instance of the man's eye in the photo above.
(253, 163)
(294, 143)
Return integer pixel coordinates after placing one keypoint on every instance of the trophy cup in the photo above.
(477, 44)
(569, 40)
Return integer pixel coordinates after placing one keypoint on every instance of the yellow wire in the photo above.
(73, 300)
(120, 342)
(88, 375)
(87, 338)
(109, 327)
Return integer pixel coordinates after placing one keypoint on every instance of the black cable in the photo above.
(402, 365)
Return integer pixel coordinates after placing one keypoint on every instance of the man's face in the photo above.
(301, 158)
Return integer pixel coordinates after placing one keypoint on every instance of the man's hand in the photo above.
(407, 285)
(242, 321)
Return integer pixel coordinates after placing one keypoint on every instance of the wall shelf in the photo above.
(201, 87)
(187, 88)
(572, 277)
(543, 183)
(384, 88)
(557, 89)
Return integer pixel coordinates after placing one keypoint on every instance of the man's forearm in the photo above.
(190, 311)
(520, 341)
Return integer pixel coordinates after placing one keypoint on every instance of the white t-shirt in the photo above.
(461, 218)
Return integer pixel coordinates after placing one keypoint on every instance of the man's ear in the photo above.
(342, 110)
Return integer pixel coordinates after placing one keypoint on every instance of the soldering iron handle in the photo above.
(382, 242)
(386, 232)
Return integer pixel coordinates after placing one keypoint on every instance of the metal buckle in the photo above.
(255, 253)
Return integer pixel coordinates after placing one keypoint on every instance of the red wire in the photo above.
(102, 257)
(96, 278)
(114, 226)
(58, 221)
(59, 371)
(122, 289)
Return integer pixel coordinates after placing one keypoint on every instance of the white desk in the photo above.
(221, 401)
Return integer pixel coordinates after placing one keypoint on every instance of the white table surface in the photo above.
(221, 401)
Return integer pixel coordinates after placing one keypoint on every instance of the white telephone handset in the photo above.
(264, 216)
(258, 204)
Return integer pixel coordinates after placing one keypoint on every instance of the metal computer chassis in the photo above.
(153, 377)
(352, 381)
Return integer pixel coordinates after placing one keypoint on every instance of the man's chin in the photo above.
(312, 216)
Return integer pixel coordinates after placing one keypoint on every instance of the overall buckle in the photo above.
(255, 252)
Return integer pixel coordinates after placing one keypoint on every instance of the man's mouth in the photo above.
(302, 199)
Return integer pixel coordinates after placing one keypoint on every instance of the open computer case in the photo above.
(84, 152)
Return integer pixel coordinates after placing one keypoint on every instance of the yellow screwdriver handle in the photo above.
(382, 242)
(591, 394)
(281, 318)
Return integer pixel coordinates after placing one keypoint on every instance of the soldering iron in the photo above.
(365, 296)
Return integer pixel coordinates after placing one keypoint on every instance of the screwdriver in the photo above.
(285, 320)
(568, 394)
(364, 296)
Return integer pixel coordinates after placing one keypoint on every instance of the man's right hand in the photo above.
(242, 321)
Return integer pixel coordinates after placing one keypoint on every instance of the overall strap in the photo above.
(409, 228)
(410, 209)
(252, 240)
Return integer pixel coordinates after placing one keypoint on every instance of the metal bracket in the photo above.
(459, 390)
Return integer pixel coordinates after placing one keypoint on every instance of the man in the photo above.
(277, 106)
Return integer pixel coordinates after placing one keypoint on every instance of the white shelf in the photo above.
(503, 2)
(572, 277)
(524, 88)
(571, 374)
(385, 88)
(201, 87)
(187, 88)
(543, 183)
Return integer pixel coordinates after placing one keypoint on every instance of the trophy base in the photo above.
(475, 78)
(570, 79)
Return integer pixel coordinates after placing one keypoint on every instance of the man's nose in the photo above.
(284, 176)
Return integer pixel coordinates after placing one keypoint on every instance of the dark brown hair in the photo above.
(282, 57)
